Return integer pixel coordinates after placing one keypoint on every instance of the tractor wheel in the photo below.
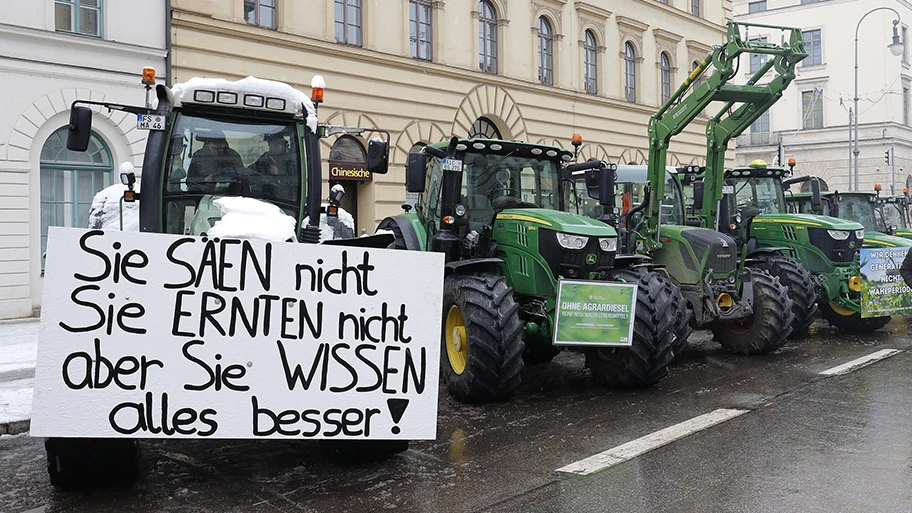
(654, 340)
(767, 329)
(850, 320)
(362, 450)
(800, 285)
(81, 462)
(481, 358)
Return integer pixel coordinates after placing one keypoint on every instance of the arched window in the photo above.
(630, 73)
(487, 37)
(348, 149)
(665, 77)
(590, 64)
(69, 181)
(484, 128)
(545, 52)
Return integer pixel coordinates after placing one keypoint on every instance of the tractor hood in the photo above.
(882, 240)
(558, 221)
(809, 220)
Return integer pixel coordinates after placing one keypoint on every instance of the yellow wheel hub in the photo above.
(855, 283)
(457, 343)
(845, 312)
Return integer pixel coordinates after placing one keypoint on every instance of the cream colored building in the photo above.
(51, 53)
(812, 117)
(426, 90)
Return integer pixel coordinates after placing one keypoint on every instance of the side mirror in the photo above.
(607, 181)
(816, 203)
(592, 183)
(80, 129)
(378, 156)
(698, 194)
(415, 171)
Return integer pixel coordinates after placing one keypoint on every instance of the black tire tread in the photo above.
(493, 330)
(654, 338)
(771, 330)
(854, 323)
(801, 290)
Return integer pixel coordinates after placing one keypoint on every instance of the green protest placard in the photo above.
(594, 313)
(883, 291)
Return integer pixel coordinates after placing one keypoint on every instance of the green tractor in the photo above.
(495, 209)
(736, 293)
(882, 219)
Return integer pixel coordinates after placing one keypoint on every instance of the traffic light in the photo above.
(887, 156)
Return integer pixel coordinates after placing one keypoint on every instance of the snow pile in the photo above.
(105, 211)
(341, 227)
(251, 85)
(248, 218)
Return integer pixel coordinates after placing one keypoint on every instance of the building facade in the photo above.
(427, 69)
(812, 119)
(55, 51)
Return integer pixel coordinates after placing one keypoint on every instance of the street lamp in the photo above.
(896, 48)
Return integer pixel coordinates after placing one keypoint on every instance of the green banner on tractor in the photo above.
(883, 291)
(595, 313)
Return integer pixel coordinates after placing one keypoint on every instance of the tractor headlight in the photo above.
(839, 234)
(859, 234)
(460, 210)
(568, 241)
(609, 244)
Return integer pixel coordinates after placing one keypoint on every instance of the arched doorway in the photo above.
(69, 181)
(348, 167)
(484, 128)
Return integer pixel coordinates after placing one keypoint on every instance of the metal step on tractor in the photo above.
(514, 257)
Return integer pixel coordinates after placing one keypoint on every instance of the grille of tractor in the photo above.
(788, 231)
(835, 250)
(572, 263)
(723, 252)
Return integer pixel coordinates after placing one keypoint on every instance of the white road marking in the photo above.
(860, 362)
(635, 448)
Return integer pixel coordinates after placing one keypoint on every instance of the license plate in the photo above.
(150, 122)
(728, 189)
(452, 165)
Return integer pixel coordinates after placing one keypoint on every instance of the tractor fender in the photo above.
(473, 264)
(402, 227)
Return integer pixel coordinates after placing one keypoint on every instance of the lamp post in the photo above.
(896, 48)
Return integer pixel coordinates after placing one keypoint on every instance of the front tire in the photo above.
(80, 462)
(767, 329)
(851, 321)
(800, 285)
(481, 357)
(646, 362)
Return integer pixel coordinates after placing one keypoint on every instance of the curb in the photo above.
(14, 427)
(21, 320)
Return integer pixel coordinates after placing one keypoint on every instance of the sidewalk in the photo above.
(18, 348)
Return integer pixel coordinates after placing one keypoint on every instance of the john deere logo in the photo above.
(851, 244)
(590, 259)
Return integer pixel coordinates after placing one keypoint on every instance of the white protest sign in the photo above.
(151, 335)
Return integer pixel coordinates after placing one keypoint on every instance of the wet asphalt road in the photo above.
(809, 443)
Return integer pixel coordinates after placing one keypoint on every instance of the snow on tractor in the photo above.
(234, 159)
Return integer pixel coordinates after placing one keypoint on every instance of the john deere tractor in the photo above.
(881, 217)
(494, 208)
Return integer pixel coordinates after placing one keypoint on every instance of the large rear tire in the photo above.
(800, 285)
(851, 321)
(646, 362)
(482, 348)
(767, 329)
